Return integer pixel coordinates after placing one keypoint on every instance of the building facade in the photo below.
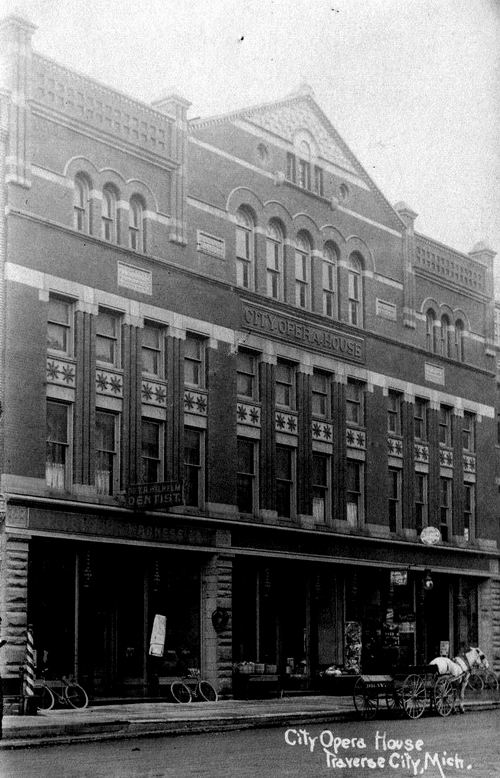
(231, 308)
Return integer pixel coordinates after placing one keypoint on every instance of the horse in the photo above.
(460, 668)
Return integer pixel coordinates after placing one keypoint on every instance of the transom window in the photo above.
(247, 375)
(244, 248)
(329, 275)
(59, 325)
(108, 338)
(321, 394)
(302, 270)
(194, 361)
(285, 384)
(354, 278)
(274, 261)
(151, 450)
(153, 350)
(106, 451)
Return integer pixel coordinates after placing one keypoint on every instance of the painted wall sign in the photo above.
(434, 374)
(135, 278)
(430, 536)
(286, 328)
(163, 494)
(386, 310)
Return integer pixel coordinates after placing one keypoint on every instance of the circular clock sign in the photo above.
(430, 536)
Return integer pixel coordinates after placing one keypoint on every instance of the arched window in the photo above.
(302, 269)
(445, 336)
(459, 340)
(431, 332)
(109, 231)
(355, 291)
(274, 260)
(244, 248)
(81, 205)
(329, 276)
(136, 224)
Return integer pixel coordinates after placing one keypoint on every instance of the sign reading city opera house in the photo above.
(293, 330)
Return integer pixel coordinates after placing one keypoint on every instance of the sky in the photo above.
(412, 86)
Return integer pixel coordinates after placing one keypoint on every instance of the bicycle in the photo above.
(192, 688)
(62, 691)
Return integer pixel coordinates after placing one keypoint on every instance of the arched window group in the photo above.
(444, 336)
(110, 215)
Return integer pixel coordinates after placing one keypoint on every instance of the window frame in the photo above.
(67, 327)
(158, 351)
(109, 214)
(359, 481)
(159, 459)
(323, 488)
(422, 520)
(136, 226)
(113, 454)
(445, 426)
(251, 376)
(274, 271)
(445, 507)
(281, 481)
(198, 467)
(420, 420)
(302, 262)
(114, 340)
(64, 446)
(394, 495)
(394, 400)
(431, 331)
(446, 341)
(460, 340)
(329, 268)
(355, 291)
(81, 204)
(200, 360)
(355, 402)
(250, 477)
(322, 392)
(281, 382)
(469, 511)
(245, 261)
(469, 433)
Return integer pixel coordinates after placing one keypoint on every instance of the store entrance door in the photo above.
(437, 625)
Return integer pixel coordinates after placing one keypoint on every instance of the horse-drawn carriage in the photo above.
(437, 686)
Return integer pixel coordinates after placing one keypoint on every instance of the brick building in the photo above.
(232, 306)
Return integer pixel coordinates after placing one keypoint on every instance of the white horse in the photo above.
(460, 668)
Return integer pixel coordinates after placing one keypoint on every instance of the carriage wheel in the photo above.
(414, 696)
(475, 682)
(365, 700)
(444, 695)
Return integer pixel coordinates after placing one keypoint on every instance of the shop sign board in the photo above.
(430, 536)
(163, 494)
(399, 577)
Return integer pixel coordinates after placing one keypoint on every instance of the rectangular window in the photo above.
(354, 492)
(301, 281)
(394, 413)
(290, 167)
(193, 466)
(394, 499)
(107, 338)
(59, 325)
(284, 480)
(320, 486)
(151, 451)
(469, 432)
(421, 501)
(318, 180)
(321, 394)
(329, 271)
(106, 452)
(304, 174)
(445, 425)
(354, 402)
(469, 511)
(57, 448)
(420, 418)
(246, 379)
(285, 385)
(445, 507)
(245, 478)
(153, 350)
(194, 361)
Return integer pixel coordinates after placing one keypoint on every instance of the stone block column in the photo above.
(216, 597)
(489, 621)
(13, 602)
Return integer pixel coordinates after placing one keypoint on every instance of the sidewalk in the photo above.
(164, 718)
